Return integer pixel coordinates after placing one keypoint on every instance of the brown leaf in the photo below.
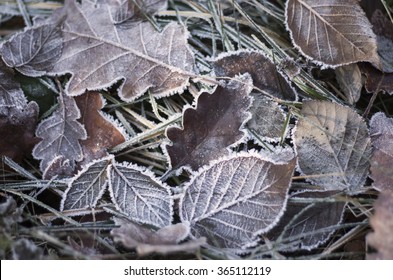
(212, 127)
(135, 10)
(377, 80)
(18, 119)
(350, 80)
(382, 223)
(381, 130)
(331, 32)
(263, 72)
(333, 146)
(102, 132)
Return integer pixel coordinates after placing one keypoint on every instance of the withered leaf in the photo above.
(60, 134)
(98, 53)
(87, 187)
(146, 240)
(136, 10)
(138, 194)
(234, 199)
(102, 132)
(377, 80)
(18, 118)
(331, 32)
(333, 146)
(305, 225)
(350, 80)
(381, 130)
(382, 223)
(212, 127)
(35, 50)
(264, 73)
(267, 120)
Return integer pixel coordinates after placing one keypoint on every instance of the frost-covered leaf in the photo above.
(87, 187)
(135, 10)
(234, 199)
(35, 50)
(268, 119)
(382, 223)
(264, 73)
(376, 80)
(381, 130)
(103, 133)
(60, 134)
(146, 240)
(331, 32)
(139, 195)
(98, 53)
(305, 225)
(214, 125)
(18, 118)
(333, 146)
(350, 80)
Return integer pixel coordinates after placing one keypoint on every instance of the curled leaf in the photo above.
(333, 146)
(87, 187)
(138, 194)
(382, 223)
(233, 200)
(212, 127)
(381, 130)
(331, 32)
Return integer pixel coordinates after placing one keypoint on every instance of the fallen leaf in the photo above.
(234, 199)
(212, 127)
(98, 53)
(376, 80)
(333, 146)
(87, 187)
(146, 241)
(18, 118)
(103, 133)
(350, 80)
(382, 223)
(60, 134)
(381, 130)
(264, 73)
(135, 10)
(307, 225)
(25, 249)
(331, 32)
(138, 194)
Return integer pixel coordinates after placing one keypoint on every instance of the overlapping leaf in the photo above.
(333, 146)
(350, 80)
(381, 130)
(139, 195)
(382, 223)
(60, 134)
(331, 32)
(18, 118)
(305, 225)
(236, 198)
(103, 133)
(214, 125)
(264, 73)
(87, 187)
(136, 10)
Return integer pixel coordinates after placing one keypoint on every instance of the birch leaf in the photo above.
(87, 187)
(382, 223)
(103, 133)
(18, 118)
(98, 53)
(263, 72)
(331, 32)
(381, 130)
(60, 134)
(138, 194)
(305, 225)
(333, 146)
(35, 50)
(233, 200)
(212, 127)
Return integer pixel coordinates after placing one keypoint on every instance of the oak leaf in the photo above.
(212, 127)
